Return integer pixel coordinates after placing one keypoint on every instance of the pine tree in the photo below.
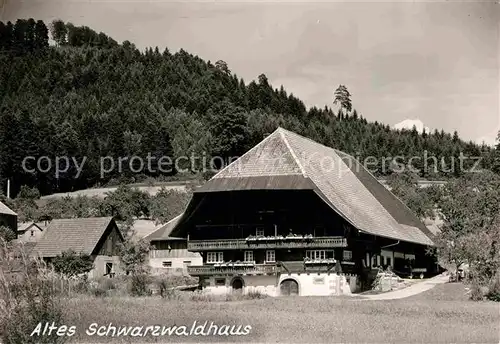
(343, 98)
(41, 35)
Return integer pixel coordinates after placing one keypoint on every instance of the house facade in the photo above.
(98, 237)
(292, 216)
(170, 254)
(29, 232)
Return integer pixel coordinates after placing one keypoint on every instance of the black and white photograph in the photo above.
(249, 171)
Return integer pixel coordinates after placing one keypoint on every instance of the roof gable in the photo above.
(79, 234)
(163, 233)
(24, 226)
(6, 210)
(271, 157)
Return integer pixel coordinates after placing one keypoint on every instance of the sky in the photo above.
(434, 62)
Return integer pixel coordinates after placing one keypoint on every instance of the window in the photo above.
(259, 231)
(347, 256)
(316, 254)
(187, 262)
(270, 256)
(32, 233)
(249, 256)
(388, 262)
(166, 264)
(215, 257)
(109, 269)
(220, 281)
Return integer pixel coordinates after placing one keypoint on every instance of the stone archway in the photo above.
(237, 284)
(289, 287)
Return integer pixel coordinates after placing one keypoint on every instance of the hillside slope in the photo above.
(92, 98)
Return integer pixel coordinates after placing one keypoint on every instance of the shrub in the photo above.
(34, 300)
(171, 294)
(251, 295)
(200, 296)
(494, 289)
(476, 293)
(255, 294)
(139, 285)
(7, 234)
(134, 256)
(71, 264)
(102, 287)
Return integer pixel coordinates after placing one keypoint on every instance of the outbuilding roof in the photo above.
(78, 234)
(6, 210)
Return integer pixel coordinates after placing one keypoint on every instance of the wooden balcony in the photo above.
(232, 269)
(266, 243)
(286, 267)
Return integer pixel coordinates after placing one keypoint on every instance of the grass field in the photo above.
(441, 315)
(101, 192)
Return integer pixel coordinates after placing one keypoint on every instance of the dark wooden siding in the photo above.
(109, 243)
(227, 215)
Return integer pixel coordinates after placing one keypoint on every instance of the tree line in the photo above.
(125, 204)
(469, 207)
(88, 96)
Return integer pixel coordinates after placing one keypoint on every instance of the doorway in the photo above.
(237, 285)
(289, 287)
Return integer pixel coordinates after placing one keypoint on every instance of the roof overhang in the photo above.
(279, 182)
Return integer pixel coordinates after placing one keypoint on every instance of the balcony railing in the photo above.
(258, 269)
(267, 243)
(284, 267)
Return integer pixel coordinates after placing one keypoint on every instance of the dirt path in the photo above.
(411, 290)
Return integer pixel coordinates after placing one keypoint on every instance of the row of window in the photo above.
(168, 264)
(218, 257)
(259, 231)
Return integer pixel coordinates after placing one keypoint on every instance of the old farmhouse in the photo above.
(29, 232)
(97, 237)
(8, 218)
(170, 254)
(292, 216)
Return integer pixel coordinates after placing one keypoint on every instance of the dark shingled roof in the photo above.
(79, 234)
(163, 233)
(285, 160)
(6, 210)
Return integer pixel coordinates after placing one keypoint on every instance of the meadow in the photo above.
(441, 315)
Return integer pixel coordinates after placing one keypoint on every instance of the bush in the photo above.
(7, 234)
(102, 287)
(255, 295)
(251, 295)
(139, 285)
(494, 289)
(476, 292)
(200, 296)
(71, 264)
(34, 301)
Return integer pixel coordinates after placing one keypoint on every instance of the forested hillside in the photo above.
(89, 96)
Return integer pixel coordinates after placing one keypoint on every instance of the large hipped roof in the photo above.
(285, 160)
